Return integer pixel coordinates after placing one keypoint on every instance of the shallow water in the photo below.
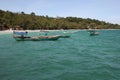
(80, 57)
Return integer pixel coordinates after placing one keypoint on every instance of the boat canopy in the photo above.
(19, 33)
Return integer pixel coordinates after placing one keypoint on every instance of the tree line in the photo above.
(32, 21)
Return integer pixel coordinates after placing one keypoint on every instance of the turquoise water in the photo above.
(80, 57)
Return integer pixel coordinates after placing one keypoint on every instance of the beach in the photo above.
(10, 31)
(5, 32)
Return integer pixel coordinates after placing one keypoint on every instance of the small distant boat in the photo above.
(93, 32)
(22, 36)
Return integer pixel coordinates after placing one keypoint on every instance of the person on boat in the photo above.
(26, 32)
(22, 36)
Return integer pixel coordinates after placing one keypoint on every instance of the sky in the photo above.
(103, 10)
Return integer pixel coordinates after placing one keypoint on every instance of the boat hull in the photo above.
(45, 38)
(37, 38)
(65, 36)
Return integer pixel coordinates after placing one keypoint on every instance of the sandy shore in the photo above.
(6, 32)
(10, 31)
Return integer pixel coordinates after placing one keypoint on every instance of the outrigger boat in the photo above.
(22, 36)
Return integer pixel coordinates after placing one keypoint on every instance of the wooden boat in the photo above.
(22, 36)
(44, 38)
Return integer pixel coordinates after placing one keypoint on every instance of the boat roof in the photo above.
(20, 32)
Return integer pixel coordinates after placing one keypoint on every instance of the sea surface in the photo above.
(80, 57)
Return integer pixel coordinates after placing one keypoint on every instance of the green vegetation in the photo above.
(31, 21)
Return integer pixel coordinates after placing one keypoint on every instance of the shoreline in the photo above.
(10, 31)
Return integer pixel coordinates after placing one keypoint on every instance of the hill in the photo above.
(31, 21)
